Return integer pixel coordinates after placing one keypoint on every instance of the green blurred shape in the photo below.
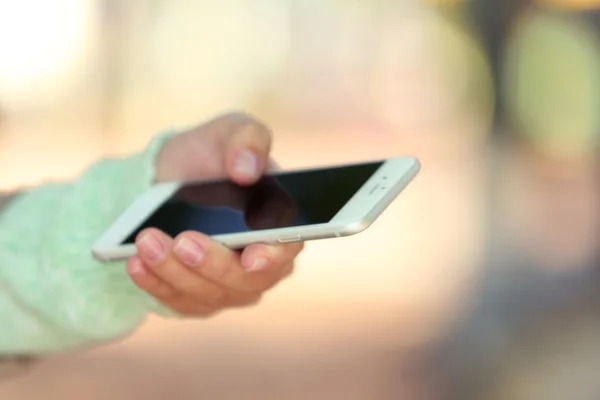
(553, 82)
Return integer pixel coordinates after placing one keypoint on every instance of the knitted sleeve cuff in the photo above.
(53, 294)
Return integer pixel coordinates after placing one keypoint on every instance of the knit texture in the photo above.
(53, 295)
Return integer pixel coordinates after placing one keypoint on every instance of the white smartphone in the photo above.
(283, 207)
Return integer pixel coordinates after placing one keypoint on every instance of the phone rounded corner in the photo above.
(107, 253)
(417, 165)
(99, 254)
(356, 227)
(411, 164)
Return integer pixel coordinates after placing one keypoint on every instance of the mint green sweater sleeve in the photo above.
(53, 295)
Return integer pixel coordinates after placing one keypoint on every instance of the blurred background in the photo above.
(480, 282)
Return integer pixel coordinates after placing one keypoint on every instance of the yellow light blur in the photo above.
(38, 39)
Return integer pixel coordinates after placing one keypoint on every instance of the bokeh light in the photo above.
(553, 78)
(571, 5)
(40, 44)
(431, 68)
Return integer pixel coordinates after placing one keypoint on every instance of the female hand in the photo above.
(191, 273)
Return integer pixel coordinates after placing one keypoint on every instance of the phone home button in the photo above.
(291, 239)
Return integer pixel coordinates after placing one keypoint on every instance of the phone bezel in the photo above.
(369, 202)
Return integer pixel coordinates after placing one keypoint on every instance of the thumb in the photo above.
(247, 151)
(234, 145)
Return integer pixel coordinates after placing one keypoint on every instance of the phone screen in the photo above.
(277, 201)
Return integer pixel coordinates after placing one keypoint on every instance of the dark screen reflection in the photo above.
(279, 201)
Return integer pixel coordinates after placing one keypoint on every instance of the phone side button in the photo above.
(291, 239)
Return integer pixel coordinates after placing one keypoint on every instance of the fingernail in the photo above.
(136, 267)
(246, 164)
(189, 252)
(259, 264)
(151, 248)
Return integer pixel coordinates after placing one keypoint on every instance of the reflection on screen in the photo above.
(278, 201)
